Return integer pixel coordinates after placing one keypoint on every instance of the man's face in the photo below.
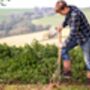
(63, 11)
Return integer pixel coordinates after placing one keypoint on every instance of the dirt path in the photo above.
(43, 87)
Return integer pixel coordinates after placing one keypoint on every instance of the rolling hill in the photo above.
(56, 19)
(21, 40)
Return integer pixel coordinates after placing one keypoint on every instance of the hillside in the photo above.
(19, 21)
(39, 27)
(21, 40)
(54, 20)
(24, 21)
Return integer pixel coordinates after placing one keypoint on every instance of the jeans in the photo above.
(85, 48)
(86, 51)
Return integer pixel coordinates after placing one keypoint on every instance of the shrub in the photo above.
(35, 63)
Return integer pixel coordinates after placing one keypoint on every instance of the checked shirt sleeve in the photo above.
(74, 25)
(65, 22)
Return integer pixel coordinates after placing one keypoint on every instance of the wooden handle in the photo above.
(59, 48)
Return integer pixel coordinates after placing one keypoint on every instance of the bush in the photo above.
(35, 63)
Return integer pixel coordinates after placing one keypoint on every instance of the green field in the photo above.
(50, 20)
(56, 19)
(5, 12)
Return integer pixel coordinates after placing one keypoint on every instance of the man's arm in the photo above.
(74, 24)
(64, 24)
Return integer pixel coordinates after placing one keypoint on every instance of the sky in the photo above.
(42, 3)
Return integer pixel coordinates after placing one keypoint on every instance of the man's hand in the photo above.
(59, 28)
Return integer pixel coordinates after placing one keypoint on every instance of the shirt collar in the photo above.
(70, 10)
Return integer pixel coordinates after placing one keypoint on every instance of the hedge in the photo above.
(35, 63)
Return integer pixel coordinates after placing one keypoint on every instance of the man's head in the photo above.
(61, 7)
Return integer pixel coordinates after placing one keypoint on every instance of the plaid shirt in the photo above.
(80, 28)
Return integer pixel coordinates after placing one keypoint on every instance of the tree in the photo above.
(3, 2)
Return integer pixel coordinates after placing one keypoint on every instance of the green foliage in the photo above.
(78, 65)
(35, 63)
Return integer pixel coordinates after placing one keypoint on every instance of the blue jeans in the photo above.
(85, 48)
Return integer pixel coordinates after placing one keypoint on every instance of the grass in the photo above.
(5, 12)
(49, 20)
(40, 87)
(9, 11)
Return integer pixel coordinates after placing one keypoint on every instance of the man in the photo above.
(79, 35)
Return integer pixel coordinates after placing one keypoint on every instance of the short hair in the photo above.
(61, 4)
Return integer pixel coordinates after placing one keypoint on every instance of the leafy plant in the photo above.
(35, 63)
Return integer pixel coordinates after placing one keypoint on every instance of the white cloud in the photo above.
(43, 3)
